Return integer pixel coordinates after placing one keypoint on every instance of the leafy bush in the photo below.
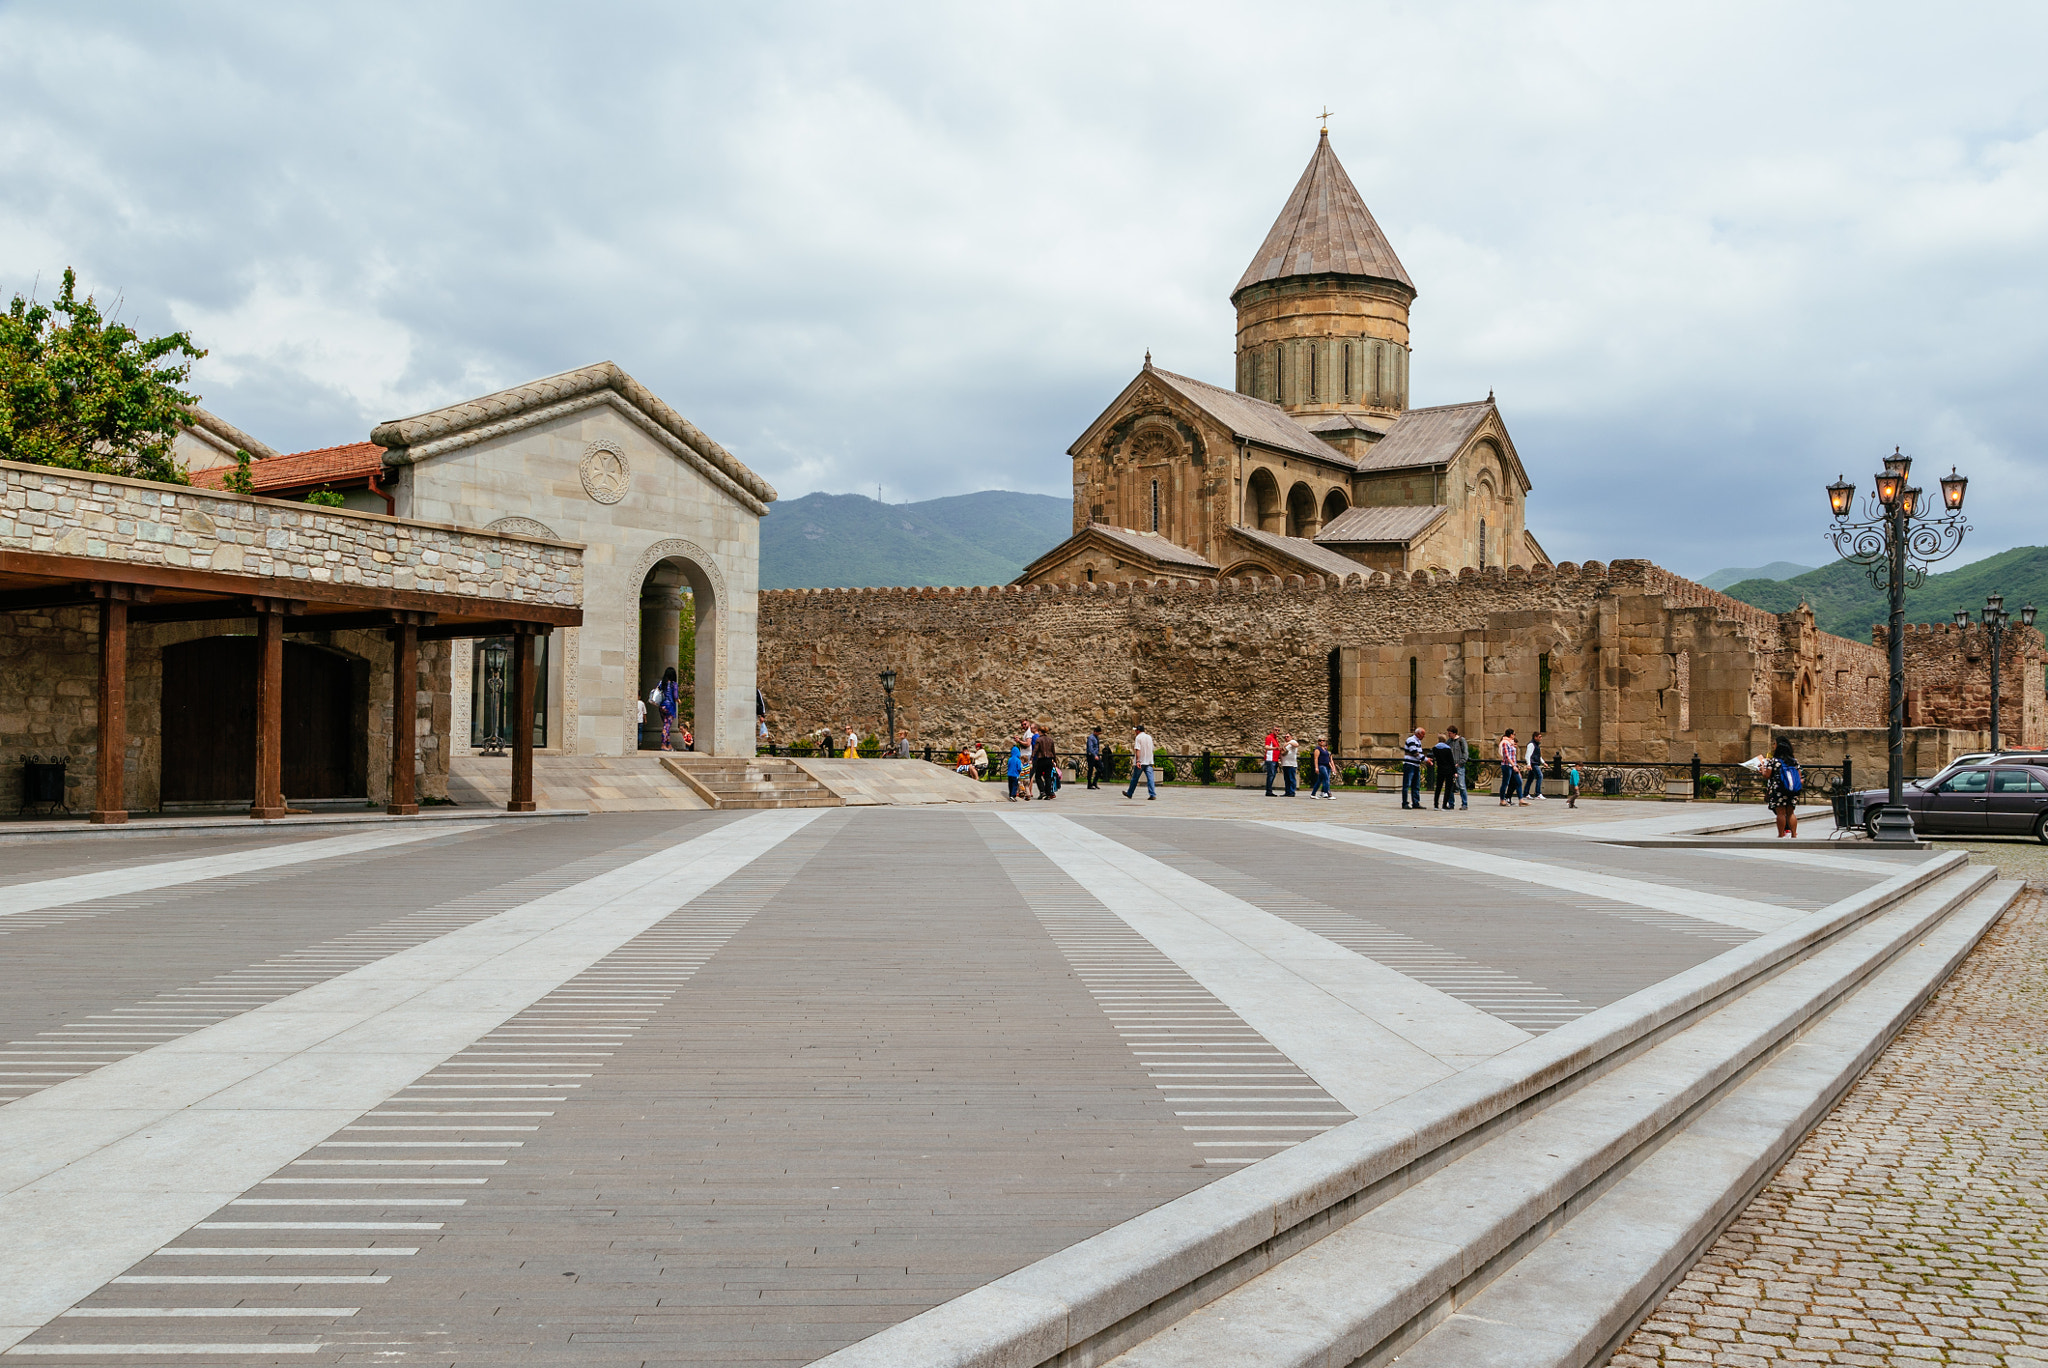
(82, 393)
(326, 498)
(1712, 784)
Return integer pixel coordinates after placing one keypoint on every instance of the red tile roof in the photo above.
(348, 463)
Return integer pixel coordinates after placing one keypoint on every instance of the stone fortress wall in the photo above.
(1948, 679)
(1620, 662)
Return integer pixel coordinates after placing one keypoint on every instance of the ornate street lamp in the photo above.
(889, 703)
(1895, 542)
(1996, 619)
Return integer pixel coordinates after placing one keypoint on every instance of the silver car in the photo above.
(2007, 797)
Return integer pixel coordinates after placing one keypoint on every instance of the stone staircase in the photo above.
(737, 782)
(1525, 1213)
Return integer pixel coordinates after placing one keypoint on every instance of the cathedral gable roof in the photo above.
(1146, 550)
(1402, 523)
(1325, 229)
(1247, 419)
(1425, 437)
(1319, 559)
(456, 426)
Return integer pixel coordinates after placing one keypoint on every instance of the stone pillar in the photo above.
(405, 669)
(110, 806)
(661, 609)
(269, 799)
(1607, 666)
(1472, 720)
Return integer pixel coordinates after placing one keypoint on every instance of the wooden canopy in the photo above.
(125, 592)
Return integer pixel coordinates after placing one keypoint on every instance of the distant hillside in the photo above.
(1845, 602)
(1776, 570)
(849, 541)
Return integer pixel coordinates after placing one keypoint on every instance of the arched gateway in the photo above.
(668, 518)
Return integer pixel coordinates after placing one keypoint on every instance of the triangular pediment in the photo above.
(453, 427)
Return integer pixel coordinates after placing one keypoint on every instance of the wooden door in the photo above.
(209, 722)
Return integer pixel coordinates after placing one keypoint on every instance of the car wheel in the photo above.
(2041, 828)
(1870, 822)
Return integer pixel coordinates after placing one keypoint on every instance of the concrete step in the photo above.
(1520, 1185)
(737, 782)
(1389, 1278)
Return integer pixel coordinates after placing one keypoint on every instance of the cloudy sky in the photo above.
(1707, 257)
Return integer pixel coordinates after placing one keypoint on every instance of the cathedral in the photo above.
(1314, 464)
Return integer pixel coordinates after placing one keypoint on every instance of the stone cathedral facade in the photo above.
(1314, 463)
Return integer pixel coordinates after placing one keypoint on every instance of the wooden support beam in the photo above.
(269, 800)
(344, 622)
(110, 806)
(522, 724)
(497, 627)
(405, 669)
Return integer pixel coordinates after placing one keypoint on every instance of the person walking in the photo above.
(1782, 783)
(1461, 760)
(1043, 758)
(1325, 770)
(852, 744)
(1411, 771)
(668, 698)
(1290, 764)
(1440, 795)
(1014, 768)
(1141, 763)
(1094, 757)
(1510, 768)
(1272, 760)
(1535, 763)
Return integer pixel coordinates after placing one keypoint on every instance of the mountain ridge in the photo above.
(1845, 602)
(850, 541)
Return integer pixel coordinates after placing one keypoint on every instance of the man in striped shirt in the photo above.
(1411, 771)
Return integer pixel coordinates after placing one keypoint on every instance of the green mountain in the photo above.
(1776, 570)
(1845, 602)
(849, 541)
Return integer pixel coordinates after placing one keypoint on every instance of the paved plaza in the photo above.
(715, 1087)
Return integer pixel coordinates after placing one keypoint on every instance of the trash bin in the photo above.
(42, 781)
(1610, 785)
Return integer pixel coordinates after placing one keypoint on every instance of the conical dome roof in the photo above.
(1325, 229)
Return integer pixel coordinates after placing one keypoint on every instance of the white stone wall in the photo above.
(106, 517)
(667, 509)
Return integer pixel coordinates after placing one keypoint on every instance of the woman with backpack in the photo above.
(1782, 784)
(667, 696)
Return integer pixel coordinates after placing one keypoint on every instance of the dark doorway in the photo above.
(209, 722)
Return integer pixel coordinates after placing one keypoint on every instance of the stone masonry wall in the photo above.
(1948, 679)
(107, 517)
(49, 702)
(1216, 664)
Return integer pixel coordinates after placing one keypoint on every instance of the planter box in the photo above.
(1257, 781)
(1678, 790)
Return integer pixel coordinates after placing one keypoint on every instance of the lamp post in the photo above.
(1996, 619)
(1895, 542)
(889, 703)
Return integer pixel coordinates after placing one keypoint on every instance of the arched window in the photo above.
(1482, 542)
(1347, 370)
(1155, 505)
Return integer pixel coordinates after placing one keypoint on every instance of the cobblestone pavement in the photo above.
(1912, 1225)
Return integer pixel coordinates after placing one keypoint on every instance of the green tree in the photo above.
(327, 498)
(84, 393)
(686, 662)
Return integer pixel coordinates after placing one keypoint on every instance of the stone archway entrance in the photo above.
(679, 603)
